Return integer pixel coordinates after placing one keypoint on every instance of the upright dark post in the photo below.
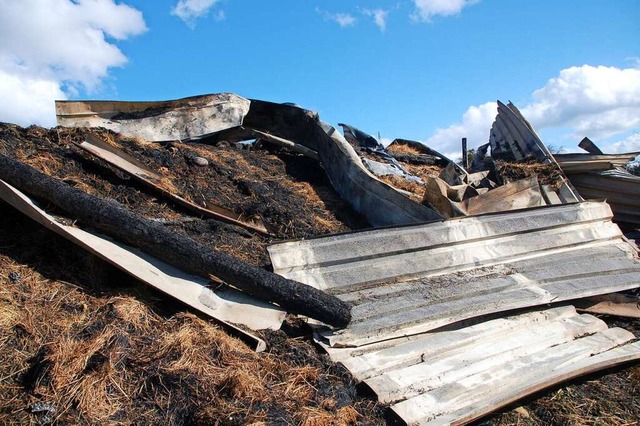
(465, 159)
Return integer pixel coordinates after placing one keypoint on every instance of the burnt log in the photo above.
(111, 218)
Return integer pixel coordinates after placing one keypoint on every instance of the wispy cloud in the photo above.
(425, 10)
(379, 17)
(191, 10)
(342, 19)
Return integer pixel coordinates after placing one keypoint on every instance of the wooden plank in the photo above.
(566, 195)
(549, 195)
(588, 145)
(573, 167)
(227, 307)
(497, 385)
(141, 173)
(484, 355)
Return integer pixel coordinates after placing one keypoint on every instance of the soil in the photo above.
(83, 343)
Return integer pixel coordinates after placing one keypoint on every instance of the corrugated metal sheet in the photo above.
(460, 375)
(412, 279)
(511, 133)
(602, 177)
(405, 283)
(215, 115)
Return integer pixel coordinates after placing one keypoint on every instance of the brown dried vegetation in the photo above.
(100, 349)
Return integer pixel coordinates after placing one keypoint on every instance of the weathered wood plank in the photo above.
(521, 194)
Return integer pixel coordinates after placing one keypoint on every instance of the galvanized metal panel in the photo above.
(492, 388)
(181, 119)
(458, 375)
(408, 280)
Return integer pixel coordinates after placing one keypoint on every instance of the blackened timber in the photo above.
(112, 219)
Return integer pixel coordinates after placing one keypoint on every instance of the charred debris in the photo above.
(224, 204)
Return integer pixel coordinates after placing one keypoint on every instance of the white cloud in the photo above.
(379, 17)
(427, 9)
(598, 102)
(342, 19)
(49, 47)
(190, 10)
(475, 125)
(629, 144)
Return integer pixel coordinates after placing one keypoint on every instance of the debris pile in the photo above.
(243, 211)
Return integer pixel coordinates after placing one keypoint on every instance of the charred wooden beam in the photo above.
(110, 218)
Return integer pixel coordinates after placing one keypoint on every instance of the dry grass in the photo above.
(416, 190)
(403, 148)
(548, 174)
(95, 347)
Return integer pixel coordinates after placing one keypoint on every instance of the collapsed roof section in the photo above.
(215, 116)
(405, 283)
(602, 176)
(407, 280)
(592, 175)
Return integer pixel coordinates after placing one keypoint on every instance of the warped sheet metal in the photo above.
(408, 280)
(602, 176)
(460, 375)
(214, 115)
(225, 305)
(181, 119)
(378, 202)
(580, 163)
(620, 188)
(512, 134)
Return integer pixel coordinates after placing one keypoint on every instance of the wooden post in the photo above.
(465, 159)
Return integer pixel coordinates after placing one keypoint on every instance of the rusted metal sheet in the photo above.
(408, 280)
(227, 306)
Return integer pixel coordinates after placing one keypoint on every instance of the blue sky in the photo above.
(428, 70)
